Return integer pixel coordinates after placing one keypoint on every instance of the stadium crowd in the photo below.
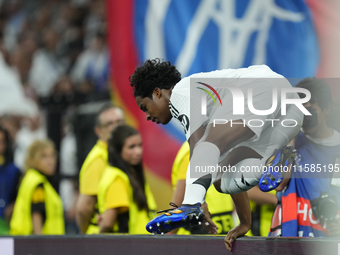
(53, 64)
(54, 93)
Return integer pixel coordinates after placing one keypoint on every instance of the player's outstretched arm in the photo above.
(242, 207)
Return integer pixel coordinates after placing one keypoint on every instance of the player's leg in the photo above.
(283, 155)
(216, 141)
(225, 131)
(191, 212)
(249, 173)
(270, 153)
(268, 132)
(231, 164)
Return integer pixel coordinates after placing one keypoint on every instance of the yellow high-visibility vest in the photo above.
(21, 221)
(137, 218)
(99, 150)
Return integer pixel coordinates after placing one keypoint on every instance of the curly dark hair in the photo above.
(153, 74)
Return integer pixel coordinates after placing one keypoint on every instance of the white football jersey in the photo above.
(181, 98)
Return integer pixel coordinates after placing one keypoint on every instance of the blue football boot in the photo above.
(185, 215)
(276, 166)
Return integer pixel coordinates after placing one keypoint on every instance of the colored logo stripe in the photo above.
(208, 94)
(213, 90)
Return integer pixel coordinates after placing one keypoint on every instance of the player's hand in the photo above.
(208, 224)
(234, 233)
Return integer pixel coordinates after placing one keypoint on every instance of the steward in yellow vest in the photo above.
(89, 177)
(124, 198)
(220, 205)
(117, 183)
(108, 117)
(21, 221)
(38, 208)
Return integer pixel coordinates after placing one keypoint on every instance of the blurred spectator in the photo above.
(80, 2)
(12, 124)
(12, 97)
(119, 210)
(47, 66)
(93, 168)
(38, 208)
(68, 168)
(63, 86)
(220, 205)
(31, 129)
(15, 23)
(69, 25)
(28, 43)
(93, 64)
(9, 180)
(40, 43)
(43, 16)
(20, 61)
(95, 20)
(310, 198)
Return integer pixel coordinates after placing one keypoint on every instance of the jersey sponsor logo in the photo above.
(183, 119)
